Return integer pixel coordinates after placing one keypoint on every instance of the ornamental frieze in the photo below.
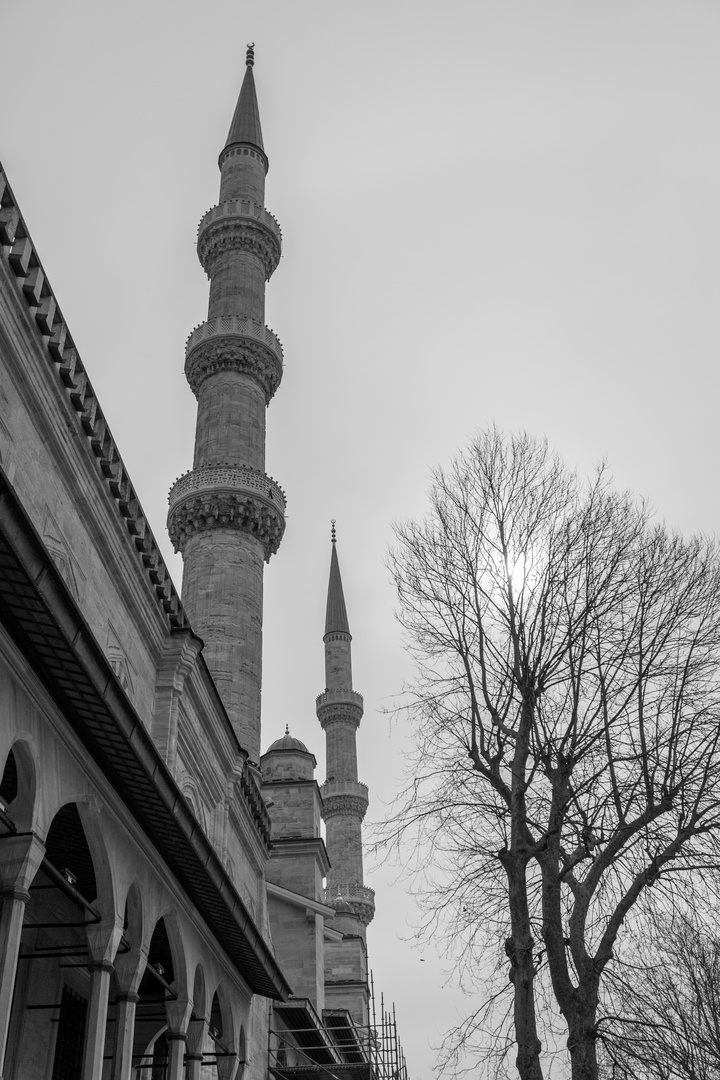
(339, 714)
(344, 806)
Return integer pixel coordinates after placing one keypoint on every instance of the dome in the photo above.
(287, 742)
(342, 906)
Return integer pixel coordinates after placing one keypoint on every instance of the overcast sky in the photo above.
(492, 211)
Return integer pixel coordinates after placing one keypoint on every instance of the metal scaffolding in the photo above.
(336, 1048)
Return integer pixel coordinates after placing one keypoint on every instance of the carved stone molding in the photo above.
(351, 802)
(227, 497)
(234, 348)
(339, 714)
(238, 232)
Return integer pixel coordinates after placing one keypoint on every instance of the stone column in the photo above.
(125, 1036)
(20, 857)
(178, 1017)
(100, 973)
(176, 1054)
(194, 1055)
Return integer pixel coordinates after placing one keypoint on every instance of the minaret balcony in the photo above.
(234, 342)
(227, 496)
(344, 798)
(339, 705)
(361, 897)
(239, 225)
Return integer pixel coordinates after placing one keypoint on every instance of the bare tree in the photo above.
(666, 1023)
(567, 703)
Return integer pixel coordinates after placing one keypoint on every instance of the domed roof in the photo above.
(287, 742)
(342, 906)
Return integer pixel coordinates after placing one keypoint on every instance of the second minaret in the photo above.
(226, 515)
(345, 799)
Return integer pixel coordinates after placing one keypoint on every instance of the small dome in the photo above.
(342, 906)
(287, 742)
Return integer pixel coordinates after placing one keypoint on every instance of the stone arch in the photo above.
(134, 919)
(200, 1001)
(222, 1020)
(241, 1052)
(129, 962)
(163, 974)
(90, 812)
(18, 785)
(68, 851)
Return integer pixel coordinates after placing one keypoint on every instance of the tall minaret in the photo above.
(345, 800)
(226, 515)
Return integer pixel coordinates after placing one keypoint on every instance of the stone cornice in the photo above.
(234, 343)
(24, 263)
(293, 846)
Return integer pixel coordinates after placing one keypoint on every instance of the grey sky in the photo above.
(491, 211)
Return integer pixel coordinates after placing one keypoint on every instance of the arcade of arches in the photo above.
(106, 973)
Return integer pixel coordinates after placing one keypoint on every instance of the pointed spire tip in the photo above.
(336, 620)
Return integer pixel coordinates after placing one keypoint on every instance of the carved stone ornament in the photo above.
(201, 502)
(234, 353)
(238, 234)
(344, 806)
(343, 713)
(364, 911)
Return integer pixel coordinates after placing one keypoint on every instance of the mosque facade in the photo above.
(174, 903)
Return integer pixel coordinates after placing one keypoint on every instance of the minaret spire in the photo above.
(345, 802)
(245, 128)
(226, 515)
(345, 799)
(336, 619)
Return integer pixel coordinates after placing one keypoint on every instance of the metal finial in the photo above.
(250, 54)
(287, 729)
(333, 537)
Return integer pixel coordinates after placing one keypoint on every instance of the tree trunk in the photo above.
(519, 949)
(582, 1044)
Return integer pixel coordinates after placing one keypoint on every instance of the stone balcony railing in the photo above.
(235, 326)
(339, 697)
(241, 208)
(349, 890)
(344, 787)
(224, 477)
